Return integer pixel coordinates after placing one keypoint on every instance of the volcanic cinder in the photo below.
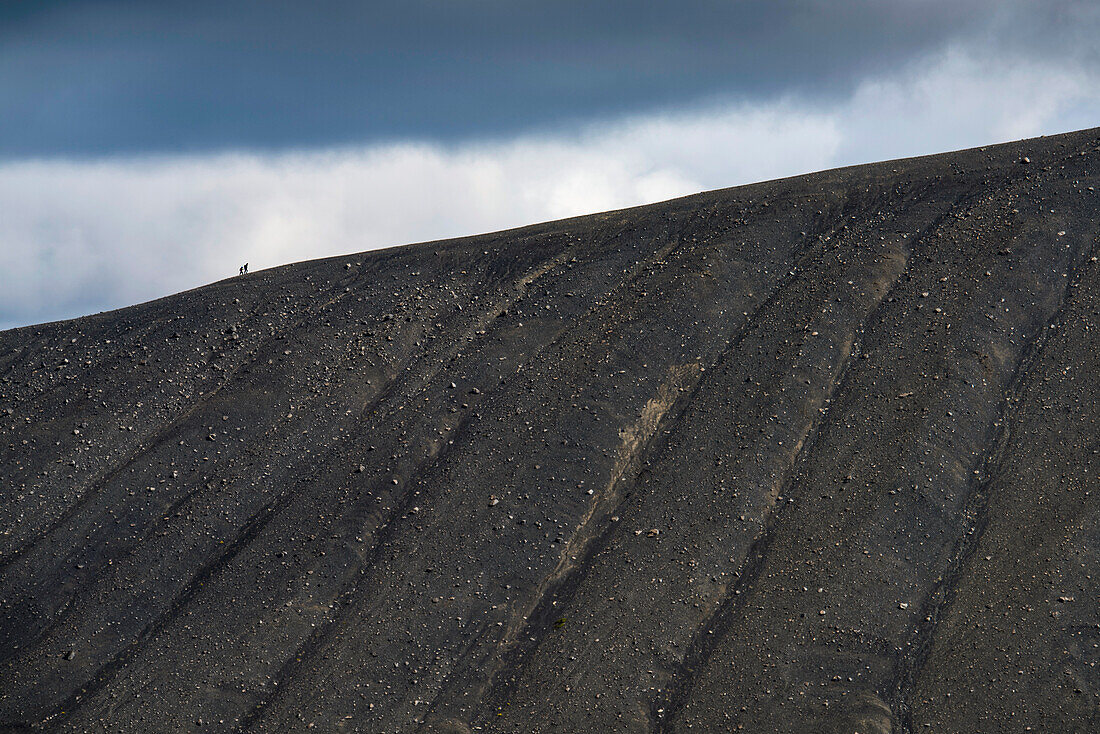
(811, 455)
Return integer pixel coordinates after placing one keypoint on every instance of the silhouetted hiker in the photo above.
(243, 269)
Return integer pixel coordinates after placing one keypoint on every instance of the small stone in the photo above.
(70, 654)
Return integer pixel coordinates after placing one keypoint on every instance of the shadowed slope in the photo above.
(816, 454)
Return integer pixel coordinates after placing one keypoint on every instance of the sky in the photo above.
(150, 147)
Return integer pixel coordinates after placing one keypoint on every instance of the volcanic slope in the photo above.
(811, 455)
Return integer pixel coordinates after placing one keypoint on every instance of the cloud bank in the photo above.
(126, 76)
(83, 236)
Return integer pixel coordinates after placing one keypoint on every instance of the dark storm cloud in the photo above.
(96, 77)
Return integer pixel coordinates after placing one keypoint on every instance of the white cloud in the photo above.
(77, 236)
(959, 100)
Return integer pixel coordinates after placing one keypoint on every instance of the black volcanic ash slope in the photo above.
(813, 455)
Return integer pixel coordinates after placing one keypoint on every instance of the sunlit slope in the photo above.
(812, 455)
